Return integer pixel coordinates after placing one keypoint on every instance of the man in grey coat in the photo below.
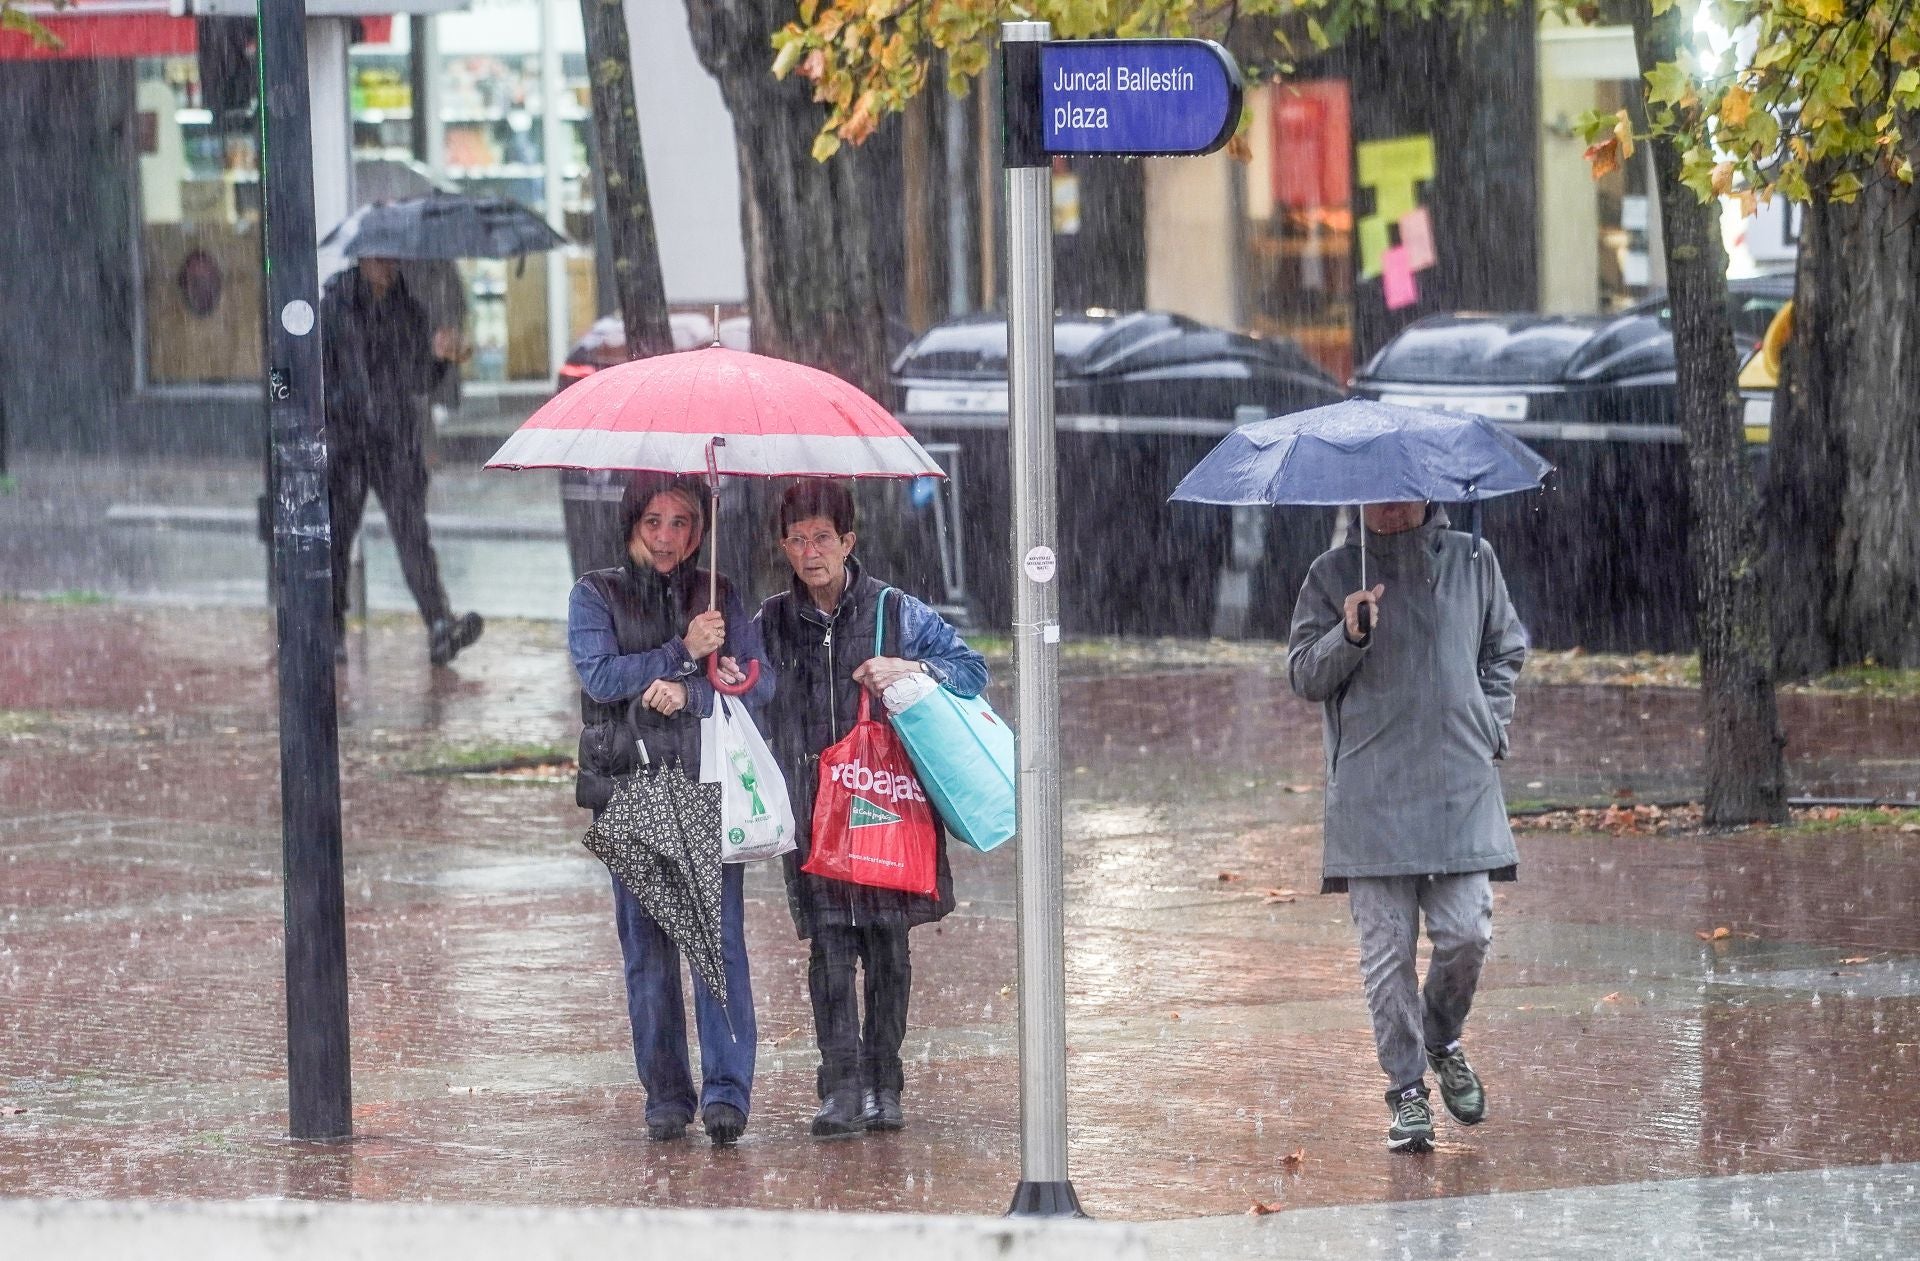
(1415, 676)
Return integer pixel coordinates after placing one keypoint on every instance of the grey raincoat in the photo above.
(1416, 714)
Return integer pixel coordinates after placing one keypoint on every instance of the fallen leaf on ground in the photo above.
(1719, 934)
(1613, 997)
(1294, 1159)
(1228, 877)
(1299, 788)
(1173, 1015)
(1261, 1210)
(1278, 895)
(1006, 991)
(11, 1111)
(1858, 959)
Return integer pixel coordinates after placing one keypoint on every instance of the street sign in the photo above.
(1137, 96)
(1123, 97)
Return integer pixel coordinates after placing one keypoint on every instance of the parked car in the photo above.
(1599, 559)
(1139, 398)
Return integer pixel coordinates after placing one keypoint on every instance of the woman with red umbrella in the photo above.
(637, 635)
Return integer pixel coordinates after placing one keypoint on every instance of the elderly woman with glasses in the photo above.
(819, 634)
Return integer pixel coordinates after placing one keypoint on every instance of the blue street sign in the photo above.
(1137, 96)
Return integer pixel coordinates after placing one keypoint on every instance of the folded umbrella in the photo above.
(660, 836)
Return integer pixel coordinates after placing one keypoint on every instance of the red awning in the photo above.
(125, 28)
(105, 28)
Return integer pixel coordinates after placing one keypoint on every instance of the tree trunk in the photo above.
(1745, 773)
(1845, 482)
(626, 208)
(820, 235)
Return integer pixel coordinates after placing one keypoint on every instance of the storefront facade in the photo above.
(133, 227)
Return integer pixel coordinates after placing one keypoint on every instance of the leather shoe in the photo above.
(668, 1128)
(446, 638)
(725, 1123)
(882, 1110)
(840, 1115)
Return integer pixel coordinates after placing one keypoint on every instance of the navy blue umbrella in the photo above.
(1362, 452)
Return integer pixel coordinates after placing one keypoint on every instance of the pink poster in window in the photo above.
(1396, 275)
(1416, 236)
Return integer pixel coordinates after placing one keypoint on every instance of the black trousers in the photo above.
(853, 1053)
(399, 477)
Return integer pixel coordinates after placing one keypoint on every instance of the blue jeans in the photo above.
(655, 1006)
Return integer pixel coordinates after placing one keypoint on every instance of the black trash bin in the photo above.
(1139, 399)
(1599, 558)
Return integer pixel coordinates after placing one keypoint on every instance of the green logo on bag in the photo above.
(743, 770)
(865, 814)
(737, 836)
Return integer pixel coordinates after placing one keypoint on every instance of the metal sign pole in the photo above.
(1044, 1189)
(319, 1081)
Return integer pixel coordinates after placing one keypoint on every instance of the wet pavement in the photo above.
(1641, 1078)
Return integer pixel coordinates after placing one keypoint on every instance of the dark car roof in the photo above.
(1532, 349)
(1099, 344)
(1524, 349)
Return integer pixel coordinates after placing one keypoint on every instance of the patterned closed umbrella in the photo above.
(660, 836)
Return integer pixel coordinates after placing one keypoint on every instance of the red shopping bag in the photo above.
(871, 821)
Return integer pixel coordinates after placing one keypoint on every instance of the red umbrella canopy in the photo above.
(777, 419)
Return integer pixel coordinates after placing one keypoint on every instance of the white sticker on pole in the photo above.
(297, 317)
(1050, 633)
(1039, 564)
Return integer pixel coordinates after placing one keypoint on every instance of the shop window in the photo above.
(198, 236)
(488, 138)
(1300, 222)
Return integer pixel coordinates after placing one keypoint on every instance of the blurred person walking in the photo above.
(382, 361)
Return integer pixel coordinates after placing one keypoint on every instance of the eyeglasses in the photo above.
(821, 542)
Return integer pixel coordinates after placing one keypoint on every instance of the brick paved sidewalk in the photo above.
(1216, 1030)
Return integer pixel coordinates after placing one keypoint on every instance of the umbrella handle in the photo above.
(734, 689)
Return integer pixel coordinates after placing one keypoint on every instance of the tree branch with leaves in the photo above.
(867, 59)
(15, 18)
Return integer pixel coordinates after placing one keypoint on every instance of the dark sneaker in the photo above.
(1412, 1128)
(842, 1114)
(446, 639)
(725, 1123)
(668, 1128)
(883, 1110)
(1459, 1085)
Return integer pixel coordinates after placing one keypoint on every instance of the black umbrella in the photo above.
(660, 836)
(442, 225)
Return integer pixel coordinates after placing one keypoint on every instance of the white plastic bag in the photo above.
(756, 819)
(904, 692)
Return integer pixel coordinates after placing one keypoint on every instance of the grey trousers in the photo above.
(1407, 1018)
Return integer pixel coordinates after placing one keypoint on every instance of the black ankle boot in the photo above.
(883, 1110)
(841, 1114)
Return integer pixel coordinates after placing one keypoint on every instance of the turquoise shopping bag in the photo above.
(962, 753)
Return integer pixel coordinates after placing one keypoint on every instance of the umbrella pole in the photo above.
(1360, 520)
(713, 521)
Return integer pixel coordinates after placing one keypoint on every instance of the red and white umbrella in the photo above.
(771, 418)
(723, 413)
